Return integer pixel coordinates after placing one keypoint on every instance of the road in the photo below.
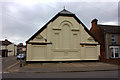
(8, 61)
(96, 74)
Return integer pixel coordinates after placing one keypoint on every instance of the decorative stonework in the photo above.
(90, 38)
(39, 37)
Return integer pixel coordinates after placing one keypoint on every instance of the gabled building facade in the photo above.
(109, 36)
(7, 48)
(63, 38)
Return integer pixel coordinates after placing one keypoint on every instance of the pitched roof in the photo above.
(5, 43)
(110, 28)
(64, 12)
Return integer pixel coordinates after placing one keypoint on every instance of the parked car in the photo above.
(21, 56)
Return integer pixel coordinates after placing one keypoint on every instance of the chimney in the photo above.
(6, 40)
(94, 22)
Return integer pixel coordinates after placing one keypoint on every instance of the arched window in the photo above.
(66, 36)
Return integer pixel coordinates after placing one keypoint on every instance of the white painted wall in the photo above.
(12, 50)
(66, 34)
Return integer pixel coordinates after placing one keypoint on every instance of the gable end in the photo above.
(61, 14)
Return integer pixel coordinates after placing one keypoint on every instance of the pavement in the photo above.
(62, 67)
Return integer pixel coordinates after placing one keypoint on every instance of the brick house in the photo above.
(109, 36)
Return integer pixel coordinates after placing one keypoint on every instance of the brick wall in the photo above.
(99, 34)
(111, 61)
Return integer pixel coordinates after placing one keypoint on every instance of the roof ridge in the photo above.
(108, 25)
(64, 11)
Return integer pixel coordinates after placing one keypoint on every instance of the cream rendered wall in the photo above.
(39, 50)
(98, 51)
(15, 50)
(28, 53)
(75, 52)
(58, 51)
(3, 47)
(63, 48)
(10, 50)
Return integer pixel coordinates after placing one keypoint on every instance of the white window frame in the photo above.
(114, 51)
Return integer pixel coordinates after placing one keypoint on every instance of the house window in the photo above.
(115, 52)
(113, 38)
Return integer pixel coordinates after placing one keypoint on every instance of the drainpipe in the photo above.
(106, 43)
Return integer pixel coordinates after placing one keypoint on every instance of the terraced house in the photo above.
(63, 38)
(109, 36)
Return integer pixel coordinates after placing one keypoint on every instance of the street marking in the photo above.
(13, 65)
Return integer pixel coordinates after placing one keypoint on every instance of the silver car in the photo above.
(21, 56)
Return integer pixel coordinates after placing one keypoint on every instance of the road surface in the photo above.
(8, 61)
(95, 74)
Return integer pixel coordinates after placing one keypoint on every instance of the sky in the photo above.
(20, 19)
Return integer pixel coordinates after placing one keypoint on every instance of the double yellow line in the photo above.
(13, 65)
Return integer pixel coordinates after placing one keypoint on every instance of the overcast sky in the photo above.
(22, 18)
